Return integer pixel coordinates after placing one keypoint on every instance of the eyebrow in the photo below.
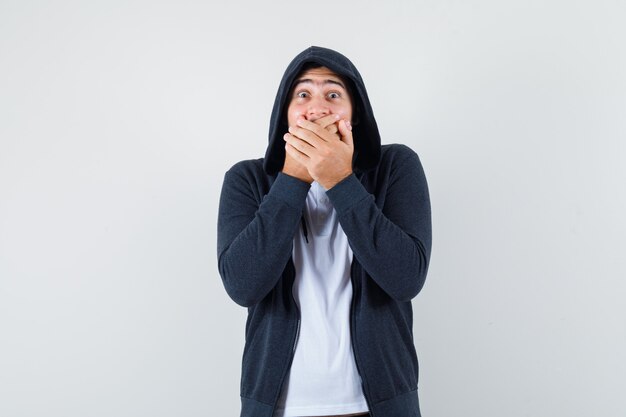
(308, 80)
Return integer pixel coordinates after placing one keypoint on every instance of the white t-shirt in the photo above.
(323, 379)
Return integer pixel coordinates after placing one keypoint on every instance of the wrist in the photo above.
(331, 182)
(304, 177)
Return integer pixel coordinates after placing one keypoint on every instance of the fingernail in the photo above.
(348, 125)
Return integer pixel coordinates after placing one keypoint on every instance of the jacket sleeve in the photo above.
(255, 238)
(393, 244)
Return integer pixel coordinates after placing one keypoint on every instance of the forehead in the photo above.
(320, 74)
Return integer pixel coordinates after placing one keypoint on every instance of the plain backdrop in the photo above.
(118, 120)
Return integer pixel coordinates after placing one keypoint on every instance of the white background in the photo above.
(118, 120)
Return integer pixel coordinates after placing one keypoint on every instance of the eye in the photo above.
(302, 94)
(334, 95)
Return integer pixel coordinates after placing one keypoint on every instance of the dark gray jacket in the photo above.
(384, 210)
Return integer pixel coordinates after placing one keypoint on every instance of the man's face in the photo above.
(318, 92)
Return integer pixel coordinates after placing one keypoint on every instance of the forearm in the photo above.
(394, 249)
(255, 240)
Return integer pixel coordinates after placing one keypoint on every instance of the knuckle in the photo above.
(317, 129)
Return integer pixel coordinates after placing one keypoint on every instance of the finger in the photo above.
(345, 130)
(313, 138)
(296, 154)
(300, 145)
(319, 131)
(328, 120)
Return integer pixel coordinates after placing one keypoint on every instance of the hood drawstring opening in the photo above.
(304, 229)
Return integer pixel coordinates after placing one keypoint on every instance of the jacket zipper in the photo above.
(295, 342)
(353, 339)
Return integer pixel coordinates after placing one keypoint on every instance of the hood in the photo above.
(364, 131)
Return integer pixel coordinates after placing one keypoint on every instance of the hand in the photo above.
(296, 169)
(326, 156)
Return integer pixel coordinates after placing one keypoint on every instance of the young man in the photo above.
(326, 240)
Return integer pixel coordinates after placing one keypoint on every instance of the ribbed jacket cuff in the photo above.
(347, 193)
(290, 190)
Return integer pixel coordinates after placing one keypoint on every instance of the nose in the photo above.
(317, 109)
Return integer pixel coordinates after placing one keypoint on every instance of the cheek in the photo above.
(344, 111)
(293, 112)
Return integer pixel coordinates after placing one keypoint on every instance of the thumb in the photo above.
(345, 130)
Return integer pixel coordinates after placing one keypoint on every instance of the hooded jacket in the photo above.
(384, 210)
